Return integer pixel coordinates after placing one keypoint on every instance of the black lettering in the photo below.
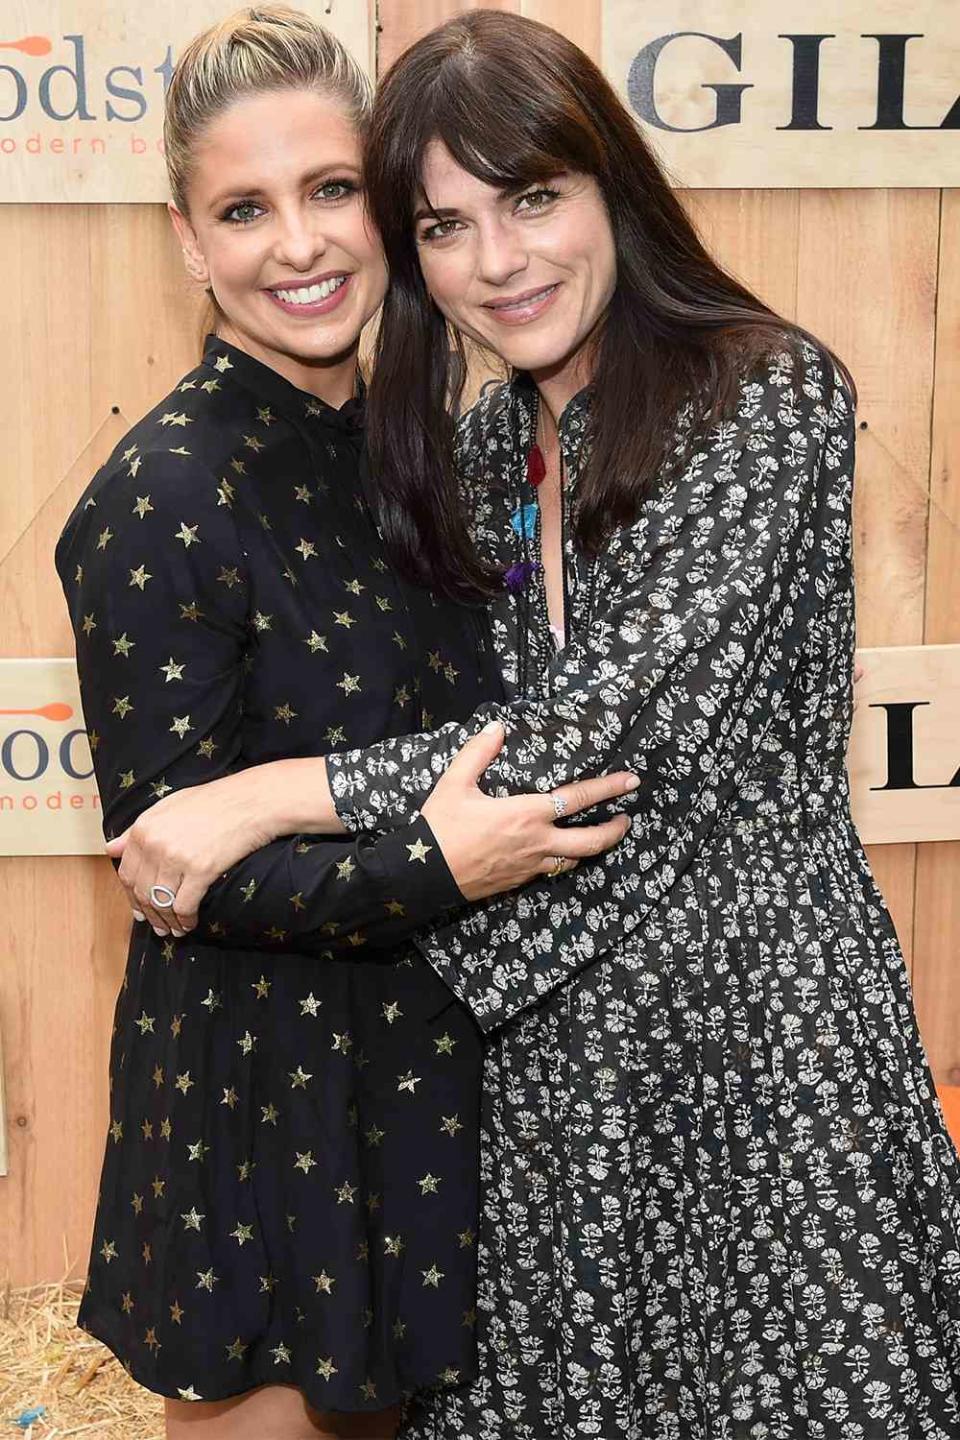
(641, 83)
(891, 72)
(66, 756)
(806, 82)
(79, 78)
(21, 88)
(123, 92)
(6, 754)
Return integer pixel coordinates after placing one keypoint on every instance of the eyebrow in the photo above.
(253, 192)
(505, 192)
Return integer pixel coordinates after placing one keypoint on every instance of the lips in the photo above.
(522, 308)
(315, 296)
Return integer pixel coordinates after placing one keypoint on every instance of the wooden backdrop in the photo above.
(98, 321)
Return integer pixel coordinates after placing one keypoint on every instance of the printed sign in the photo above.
(82, 84)
(48, 797)
(822, 93)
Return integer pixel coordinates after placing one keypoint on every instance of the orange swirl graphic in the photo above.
(29, 45)
(56, 711)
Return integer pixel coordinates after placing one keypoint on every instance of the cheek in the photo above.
(446, 277)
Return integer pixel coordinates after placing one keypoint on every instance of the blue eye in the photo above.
(242, 213)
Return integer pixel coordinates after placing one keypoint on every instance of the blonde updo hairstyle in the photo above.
(258, 49)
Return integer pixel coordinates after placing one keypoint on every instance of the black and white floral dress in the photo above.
(719, 1199)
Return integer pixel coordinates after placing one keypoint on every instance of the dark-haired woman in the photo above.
(719, 1197)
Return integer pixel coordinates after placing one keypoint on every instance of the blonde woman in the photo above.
(288, 1206)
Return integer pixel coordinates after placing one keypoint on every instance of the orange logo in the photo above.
(56, 711)
(29, 45)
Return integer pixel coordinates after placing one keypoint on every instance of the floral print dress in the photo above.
(719, 1201)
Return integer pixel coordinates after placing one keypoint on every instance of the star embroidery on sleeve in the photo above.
(116, 1130)
(265, 416)
(210, 386)
(344, 618)
(123, 645)
(191, 612)
(206, 748)
(316, 642)
(180, 450)
(176, 417)
(408, 1082)
(105, 537)
(281, 1355)
(129, 454)
(285, 712)
(122, 707)
(450, 1125)
(139, 577)
(159, 788)
(306, 548)
(108, 1250)
(206, 1279)
(251, 442)
(310, 1005)
(142, 507)
(181, 725)
(89, 624)
(229, 576)
(239, 468)
(299, 1078)
(433, 1276)
(324, 1283)
(242, 1234)
(225, 493)
(345, 1193)
(188, 534)
(236, 1350)
(350, 684)
(135, 464)
(419, 851)
(391, 1011)
(326, 1368)
(345, 868)
(304, 1161)
(172, 670)
(192, 1219)
(249, 890)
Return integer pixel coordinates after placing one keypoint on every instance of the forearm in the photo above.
(288, 797)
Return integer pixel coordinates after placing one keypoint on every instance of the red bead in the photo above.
(536, 466)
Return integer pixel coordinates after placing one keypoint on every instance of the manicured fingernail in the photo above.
(632, 783)
(138, 916)
(161, 933)
(178, 933)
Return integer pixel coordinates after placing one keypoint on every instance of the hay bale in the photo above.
(46, 1361)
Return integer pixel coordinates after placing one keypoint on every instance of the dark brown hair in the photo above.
(514, 102)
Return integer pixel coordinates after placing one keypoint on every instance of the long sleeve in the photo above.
(153, 568)
(707, 600)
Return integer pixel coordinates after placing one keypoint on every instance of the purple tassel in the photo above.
(516, 575)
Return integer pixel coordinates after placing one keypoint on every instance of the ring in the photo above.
(168, 896)
(559, 865)
(560, 806)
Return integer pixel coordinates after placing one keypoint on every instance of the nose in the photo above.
(500, 252)
(299, 239)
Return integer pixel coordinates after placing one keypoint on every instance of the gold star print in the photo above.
(450, 673)
(429, 1184)
(206, 1280)
(265, 416)
(179, 450)
(212, 1000)
(172, 670)
(183, 1082)
(262, 622)
(198, 1151)
(302, 492)
(108, 1250)
(399, 640)
(275, 934)
(368, 1390)
(126, 1302)
(324, 1283)
(175, 417)
(374, 1135)
(229, 576)
(419, 851)
(158, 1186)
(94, 741)
(127, 779)
(105, 537)
(399, 1329)
(342, 1042)
(245, 1169)
(395, 908)
(434, 661)
(239, 468)
(444, 1044)
(165, 1129)
(176, 1315)
(146, 1254)
(142, 507)
(123, 645)
(281, 1355)
(391, 1011)
(268, 1114)
(299, 1078)
(137, 1202)
(249, 890)
(242, 1234)
(345, 1193)
(206, 748)
(225, 493)
(344, 618)
(181, 725)
(189, 1393)
(176, 1025)
(401, 696)
(192, 1220)
(188, 534)
(432, 1277)
(230, 1098)
(129, 454)
(135, 464)
(116, 1131)
(122, 707)
(316, 642)
(306, 548)
(469, 1318)
(159, 788)
(310, 1005)
(354, 587)
(345, 868)
(145, 1023)
(408, 1082)
(146, 1129)
(297, 901)
(450, 1125)
(336, 735)
(304, 1161)
(466, 1238)
(237, 1350)
(261, 987)
(210, 386)
(139, 577)
(326, 1368)
(247, 1042)
(363, 1250)
(268, 1283)
(392, 1244)
(222, 363)
(151, 1341)
(284, 712)
(350, 684)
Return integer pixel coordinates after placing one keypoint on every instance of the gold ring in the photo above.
(559, 865)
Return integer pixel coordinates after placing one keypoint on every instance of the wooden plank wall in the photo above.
(104, 322)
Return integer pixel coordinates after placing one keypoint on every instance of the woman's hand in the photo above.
(185, 841)
(492, 845)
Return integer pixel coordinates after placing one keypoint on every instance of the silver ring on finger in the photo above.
(558, 867)
(560, 806)
(163, 897)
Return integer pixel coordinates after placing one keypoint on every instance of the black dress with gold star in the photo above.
(289, 1193)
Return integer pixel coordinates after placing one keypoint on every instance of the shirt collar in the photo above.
(279, 394)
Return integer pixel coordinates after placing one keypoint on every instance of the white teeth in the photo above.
(312, 294)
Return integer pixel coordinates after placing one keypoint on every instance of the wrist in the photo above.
(293, 797)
